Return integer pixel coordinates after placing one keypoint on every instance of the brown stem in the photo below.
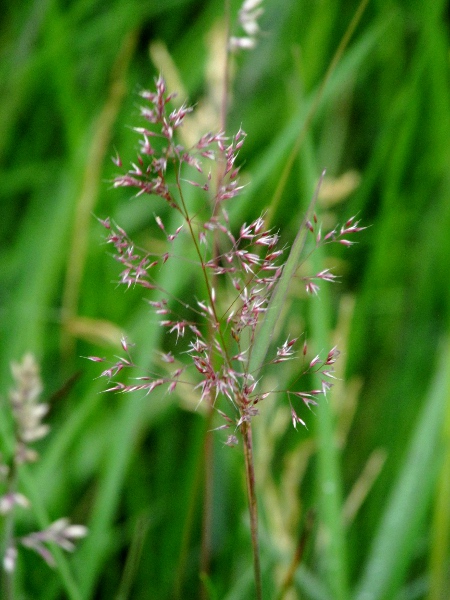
(205, 553)
(246, 431)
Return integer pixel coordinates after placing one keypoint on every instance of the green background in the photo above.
(130, 466)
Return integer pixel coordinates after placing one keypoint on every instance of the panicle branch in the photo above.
(336, 235)
(240, 268)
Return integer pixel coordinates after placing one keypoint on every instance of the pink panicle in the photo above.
(239, 266)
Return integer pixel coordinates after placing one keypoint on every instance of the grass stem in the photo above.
(246, 431)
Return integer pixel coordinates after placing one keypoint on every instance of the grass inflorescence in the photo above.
(354, 505)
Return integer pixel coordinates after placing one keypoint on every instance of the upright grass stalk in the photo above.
(440, 530)
(246, 426)
(242, 275)
(246, 431)
(208, 482)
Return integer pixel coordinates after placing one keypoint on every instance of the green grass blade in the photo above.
(440, 529)
(310, 585)
(329, 478)
(132, 416)
(333, 551)
(410, 498)
(274, 157)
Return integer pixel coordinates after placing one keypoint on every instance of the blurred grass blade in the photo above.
(329, 477)
(332, 550)
(313, 107)
(86, 201)
(273, 158)
(392, 548)
(440, 533)
(134, 414)
(310, 585)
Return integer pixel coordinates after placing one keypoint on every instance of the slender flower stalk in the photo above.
(246, 432)
(240, 270)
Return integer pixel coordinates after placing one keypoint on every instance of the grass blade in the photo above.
(409, 500)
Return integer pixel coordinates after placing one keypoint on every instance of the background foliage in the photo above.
(130, 467)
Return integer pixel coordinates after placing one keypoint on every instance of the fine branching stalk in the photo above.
(227, 332)
(245, 282)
